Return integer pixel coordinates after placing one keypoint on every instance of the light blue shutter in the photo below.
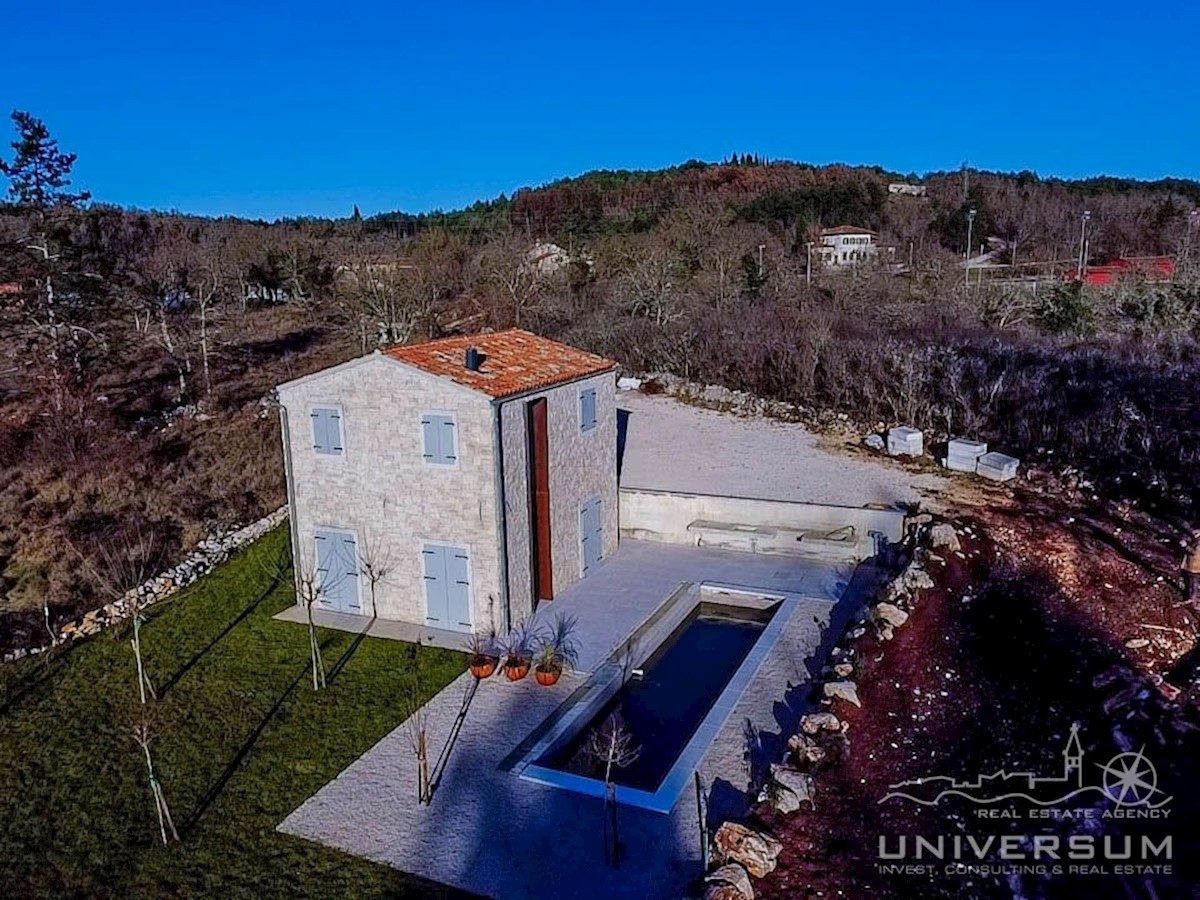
(327, 430)
(458, 588)
(326, 563)
(436, 597)
(591, 531)
(429, 439)
(348, 593)
(320, 431)
(440, 444)
(447, 443)
(333, 430)
(587, 409)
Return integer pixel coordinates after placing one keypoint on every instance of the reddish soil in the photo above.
(994, 666)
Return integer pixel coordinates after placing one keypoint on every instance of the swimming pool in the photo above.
(671, 704)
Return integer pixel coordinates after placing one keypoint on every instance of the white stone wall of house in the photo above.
(583, 464)
(383, 491)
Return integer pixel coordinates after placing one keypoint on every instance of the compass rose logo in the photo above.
(1129, 779)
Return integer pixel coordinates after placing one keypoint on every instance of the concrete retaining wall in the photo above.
(766, 526)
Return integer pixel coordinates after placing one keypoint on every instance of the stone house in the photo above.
(479, 472)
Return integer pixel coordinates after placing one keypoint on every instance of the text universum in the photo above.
(1024, 847)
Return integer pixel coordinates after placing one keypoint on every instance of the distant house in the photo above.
(910, 190)
(481, 468)
(847, 245)
(9, 289)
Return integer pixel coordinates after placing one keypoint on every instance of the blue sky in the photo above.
(309, 108)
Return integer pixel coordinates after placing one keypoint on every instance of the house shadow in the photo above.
(622, 438)
(164, 688)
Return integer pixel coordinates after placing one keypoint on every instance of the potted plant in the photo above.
(518, 653)
(483, 655)
(557, 650)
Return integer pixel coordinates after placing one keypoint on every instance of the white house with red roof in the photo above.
(478, 473)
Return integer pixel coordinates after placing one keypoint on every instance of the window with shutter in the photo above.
(327, 430)
(439, 439)
(587, 409)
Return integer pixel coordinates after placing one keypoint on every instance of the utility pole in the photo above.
(967, 262)
(808, 266)
(760, 259)
(1083, 221)
(1193, 216)
(910, 253)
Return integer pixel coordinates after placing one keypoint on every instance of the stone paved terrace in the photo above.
(492, 833)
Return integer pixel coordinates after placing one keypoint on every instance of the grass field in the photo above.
(240, 740)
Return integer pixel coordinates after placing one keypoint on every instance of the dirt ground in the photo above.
(1059, 610)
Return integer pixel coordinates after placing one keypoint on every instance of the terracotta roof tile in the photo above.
(514, 361)
(845, 229)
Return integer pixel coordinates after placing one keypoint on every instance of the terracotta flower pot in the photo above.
(515, 671)
(547, 676)
(482, 666)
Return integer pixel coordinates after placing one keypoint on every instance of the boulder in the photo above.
(843, 670)
(753, 849)
(874, 441)
(820, 721)
(806, 750)
(801, 786)
(890, 614)
(944, 536)
(843, 690)
(916, 579)
(730, 875)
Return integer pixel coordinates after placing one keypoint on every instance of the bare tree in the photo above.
(310, 586)
(650, 276)
(613, 747)
(506, 265)
(378, 301)
(125, 562)
(417, 724)
(376, 563)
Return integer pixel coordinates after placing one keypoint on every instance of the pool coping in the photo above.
(606, 681)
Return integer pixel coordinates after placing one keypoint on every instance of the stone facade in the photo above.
(382, 491)
(583, 464)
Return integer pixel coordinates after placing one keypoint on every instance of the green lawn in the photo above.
(241, 739)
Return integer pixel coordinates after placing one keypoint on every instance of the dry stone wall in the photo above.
(209, 553)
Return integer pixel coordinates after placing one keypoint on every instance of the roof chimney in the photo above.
(474, 360)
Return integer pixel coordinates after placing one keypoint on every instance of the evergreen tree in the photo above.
(39, 181)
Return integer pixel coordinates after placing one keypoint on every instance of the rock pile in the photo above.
(209, 553)
(822, 739)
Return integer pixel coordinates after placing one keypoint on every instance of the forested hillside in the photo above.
(140, 349)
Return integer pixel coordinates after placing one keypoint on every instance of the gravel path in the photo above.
(671, 446)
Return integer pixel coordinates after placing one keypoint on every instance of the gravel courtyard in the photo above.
(671, 446)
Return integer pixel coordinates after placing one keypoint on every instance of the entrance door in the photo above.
(447, 572)
(337, 571)
(591, 534)
(539, 499)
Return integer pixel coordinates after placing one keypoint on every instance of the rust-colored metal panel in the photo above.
(539, 488)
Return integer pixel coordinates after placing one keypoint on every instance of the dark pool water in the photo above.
(662, 710)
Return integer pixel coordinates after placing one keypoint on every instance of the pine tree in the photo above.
(38, 183)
